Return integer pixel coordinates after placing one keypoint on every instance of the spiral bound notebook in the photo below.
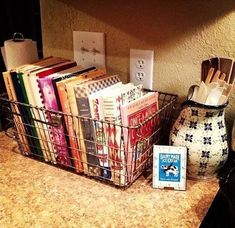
(57, 133)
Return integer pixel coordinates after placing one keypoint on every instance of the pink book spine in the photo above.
(57, 132)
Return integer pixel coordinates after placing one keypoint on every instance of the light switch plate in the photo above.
(141, 67)
(89, 48)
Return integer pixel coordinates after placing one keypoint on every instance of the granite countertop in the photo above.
(34, 194)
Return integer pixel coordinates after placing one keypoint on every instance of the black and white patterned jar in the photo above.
(201, 128)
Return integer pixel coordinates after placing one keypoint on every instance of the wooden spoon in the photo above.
(226, 65)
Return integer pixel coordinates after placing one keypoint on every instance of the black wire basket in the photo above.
(41, 134)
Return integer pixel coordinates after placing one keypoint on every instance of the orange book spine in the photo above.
(69, 126)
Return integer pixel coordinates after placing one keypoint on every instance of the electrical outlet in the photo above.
(140, 76)
(140, 63)
(141, 67)
(89, 48)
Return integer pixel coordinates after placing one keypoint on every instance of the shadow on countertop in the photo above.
(221, 214)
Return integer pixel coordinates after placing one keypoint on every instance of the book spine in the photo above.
(57, 65)
(35, 116)
(77, 125)
(36, 99)
(88, 133)
(57, 134)
(69, 125)
(111, 108)
(55, 69)
(83, 92)
(16, 116)
(27, 118)
(101, 147)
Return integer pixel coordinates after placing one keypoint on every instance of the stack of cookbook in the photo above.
(95, 115)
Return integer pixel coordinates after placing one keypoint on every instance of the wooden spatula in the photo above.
(221, 80)
(206, 65)
(232, 76)
(225, 66)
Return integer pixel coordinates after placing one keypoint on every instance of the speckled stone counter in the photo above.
(34, 194)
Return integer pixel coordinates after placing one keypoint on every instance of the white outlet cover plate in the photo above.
(141, 67)
(89, 48)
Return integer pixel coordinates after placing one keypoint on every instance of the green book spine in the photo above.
(30, 121)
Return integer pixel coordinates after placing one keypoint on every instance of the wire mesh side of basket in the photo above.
(44, 135)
